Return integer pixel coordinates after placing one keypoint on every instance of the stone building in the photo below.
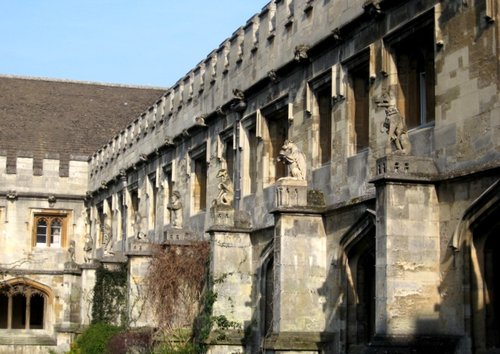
(343, 160)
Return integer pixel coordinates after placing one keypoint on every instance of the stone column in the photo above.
(407, 248)
(232, 274)
(300, 269)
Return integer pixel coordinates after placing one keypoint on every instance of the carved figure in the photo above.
(300, 53)
(87, 248)
(71, 251)
(226, 189)
(108, 241)
(394, 125)
(138, 227)
(175, 207)
(291, 155)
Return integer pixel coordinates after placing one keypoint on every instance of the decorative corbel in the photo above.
(52, 200)
(11, 195)
(372, 8)
(273, 76)
(200, 120)
(300, 53)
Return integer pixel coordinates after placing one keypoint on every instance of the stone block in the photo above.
(291, 192)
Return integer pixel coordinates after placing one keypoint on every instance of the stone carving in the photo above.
(11, 195)
(87, 248)
(108, 241)
(239, 104)
(175, 207)
(52, 200)
(71, 251)
(200, 120)
(226, 189)
(291, 155)
(139, 235)
(273, 76)
(394, 125)
(300, 53)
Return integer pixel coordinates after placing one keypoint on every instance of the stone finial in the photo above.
(175, 207)
(226, 189)
(394, 126)
(300, 53)
(291, 155)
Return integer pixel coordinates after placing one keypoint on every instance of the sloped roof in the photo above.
(42, 116)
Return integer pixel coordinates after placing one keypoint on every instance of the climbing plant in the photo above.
(109, 301)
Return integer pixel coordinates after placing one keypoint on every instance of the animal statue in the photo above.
(394, 125)
(226, 190)
(291, 155)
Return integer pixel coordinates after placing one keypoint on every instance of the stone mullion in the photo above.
(9, 312)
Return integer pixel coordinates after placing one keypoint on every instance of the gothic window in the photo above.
(413, 54)
(49, 230)
(22, 307)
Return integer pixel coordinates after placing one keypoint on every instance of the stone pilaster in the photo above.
(407, 247)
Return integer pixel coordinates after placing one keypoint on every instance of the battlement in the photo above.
(24, 172)
(267, 42)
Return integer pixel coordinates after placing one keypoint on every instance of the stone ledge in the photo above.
(13, 338)
(298, 340)
(406, 169)
(410, 344)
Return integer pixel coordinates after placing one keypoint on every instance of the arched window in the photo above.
(49, 230)
(22, 306)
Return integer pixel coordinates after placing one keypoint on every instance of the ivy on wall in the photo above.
(109, 302)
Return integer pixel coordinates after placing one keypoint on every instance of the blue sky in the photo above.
(147, 42)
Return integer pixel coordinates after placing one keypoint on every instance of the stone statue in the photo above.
(394, 125)
(291, 155)
(108, 241)
(87, 248)
(175, 207)
(71, 251)
(226, 190)
(139, 235)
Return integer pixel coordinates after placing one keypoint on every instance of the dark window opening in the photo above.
(4, 308)
(416, 76)
(492, 298)
(268, 297)
(252, 158)
(324, 100)
(37, 308)
(18, 311)
(277, 123)
(229, 157)
(360, 85)
(200, 184)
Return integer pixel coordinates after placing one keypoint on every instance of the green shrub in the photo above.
(94, 339)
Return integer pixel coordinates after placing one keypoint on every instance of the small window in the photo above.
(277, 133)
(49, 230)
(324, 102)
(359, 102)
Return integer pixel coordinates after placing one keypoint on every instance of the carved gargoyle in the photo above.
(394, 125)
(108, 241)
(291, 155)
(300, 53)
(87, 248)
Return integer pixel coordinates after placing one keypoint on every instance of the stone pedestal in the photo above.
(407, 248)
(87, 290)
(300, 269)
(232, 276)
(222, 215)
(291, 192)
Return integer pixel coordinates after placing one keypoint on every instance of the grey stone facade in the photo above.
(388, 242)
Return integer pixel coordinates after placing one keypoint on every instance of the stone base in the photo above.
(140, 247)
(222, 215)
(174, 235)
(405, 167)
(291, 192)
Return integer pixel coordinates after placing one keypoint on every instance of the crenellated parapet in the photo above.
(267, 43)
(24, 175)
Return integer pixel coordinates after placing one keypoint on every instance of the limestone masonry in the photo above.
(342, 158)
